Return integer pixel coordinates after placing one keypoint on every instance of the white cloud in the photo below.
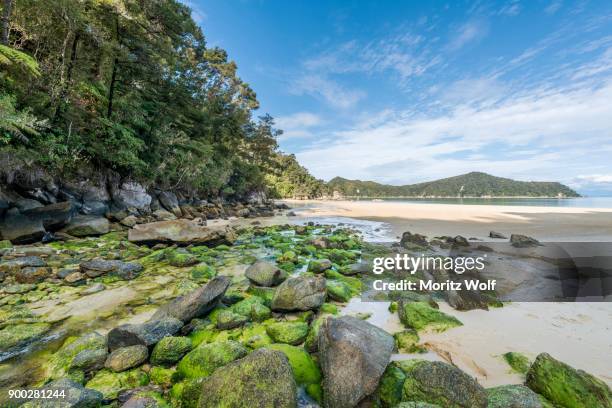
(513, 8)
(553, 132)
(467, 33)
(298, 125)
(330, 91)
(553, 7)
(595, 178)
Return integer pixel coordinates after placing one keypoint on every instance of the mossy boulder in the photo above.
(162, 376)
(319, 265)
(510, 396)
(421, 316)
(288, 332)
(299, 294)
(244, 307)
(517, 361)
(565, 386)
(312, 339)
(433, 382)
(407, 341)
(262, 379)
(266, 274)
(204, 359)
(170, 349)
(4, 244)
(19, 335)
(259, 312)
(338, 291)
(110, 384)
(287, 257)
(180, 259)
(124, 358)
(305, 370)
(202, 272)
(63, 359)
(226, 319)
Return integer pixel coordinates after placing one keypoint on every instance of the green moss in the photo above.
(393, 306)
(263, 292)
(110, 384)
(316, 392)
(170, 349)
(202, 272)
(338, 291)
(5, 244)
(186, 394)
(566, 386)
(260, 312)
(21, 334)
(288, 332)
(244, 307)
(391, 386)
(180, 259)
(162, 376)
(204, 359)
(305, 371)
(421, 316)
(311, 342)
(287, 257)
(517, 361)
(407, 341)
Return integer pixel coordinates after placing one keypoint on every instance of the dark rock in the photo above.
(197, 303)
(141, 401)
(124, 358)
(565, 386)
(75, 396)
(169, 201)
(262, 379)
(299, 293)
(20, 229)
(53, 216)
(131, 194)
(263, 273)
(227, 320)
(182, 232)
(26, 204)
(460, 241)
(86, 225)
(32, 274)
(97, 267)
(22, 262)
(497, 235)
(523, 241)
(146, 334)
(410, 240)
(319, 265)
(321, 243)
(89, 360)
(291, 214)
(353, 356)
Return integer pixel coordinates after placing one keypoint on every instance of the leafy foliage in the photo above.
(131, 86)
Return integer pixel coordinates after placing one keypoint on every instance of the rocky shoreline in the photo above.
(175, 313)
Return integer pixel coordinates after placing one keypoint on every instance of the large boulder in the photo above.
(74, 396)
(299, 293)
(87, 225)
(433, 382)
(513, 396)
(196, 303)
(523, 241)
(170, 349)
(52, 216)
(124, 358)
(147, 334)
(21, 229)
(566, 386)
(131, 195)
(410, 240)
(262, 273)
(181, 232)
(261, 379)
(353, 356)
(169, 201)
(32, 274)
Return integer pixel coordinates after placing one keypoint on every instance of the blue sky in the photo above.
(402, 92)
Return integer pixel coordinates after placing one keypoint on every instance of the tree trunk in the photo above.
(6, 20)
(66, 83)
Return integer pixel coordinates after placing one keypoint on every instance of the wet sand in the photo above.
(544, 223)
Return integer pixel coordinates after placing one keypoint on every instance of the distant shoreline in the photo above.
(446, 197)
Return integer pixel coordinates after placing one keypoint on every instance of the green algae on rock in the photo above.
(506, 396)
(517, 361)
(565, 386)
(305, 370)
(19, 335)
(407, 341)
(421, 316)
(288, 332)
(124, 358)
(204, 359)
(170, 349)
(110, 384)
(338, 291)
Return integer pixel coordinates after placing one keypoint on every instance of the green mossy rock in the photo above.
(433, 382)
(287, 257)
(21, 334)
(288, 332)
(162, 376)
(338, 291)
(202, 272)
(180, 259)
(416, 404)
(329, 308)
(305, 370)
(262, 379)
(186, 394)
(511, 396)
(244, 307)
(226, 320)
(566, 386)
(255, 336)
(259, 312)
(111, 384)
(517, 361)
(4, 244)
(319, 265)
(312, 339)
(124, 358)
(263, 292)
(170, 349)
(421, 316)
(407, 341)
(204, 359)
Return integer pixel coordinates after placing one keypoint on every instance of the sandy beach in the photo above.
(576, 333)
(544, 223)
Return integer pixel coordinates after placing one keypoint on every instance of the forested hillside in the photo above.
(473, 184)
(130, 87)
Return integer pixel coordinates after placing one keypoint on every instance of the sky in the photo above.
(404, 92)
